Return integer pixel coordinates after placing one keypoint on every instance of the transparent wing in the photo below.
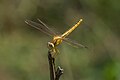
(41, 26)
(73, 43)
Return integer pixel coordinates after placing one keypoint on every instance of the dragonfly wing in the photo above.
(73, 43)
(52, 32)
(41, 26)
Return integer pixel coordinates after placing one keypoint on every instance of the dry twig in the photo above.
(54, 74)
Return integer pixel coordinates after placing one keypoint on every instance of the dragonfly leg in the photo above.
(52, 49)
(56, 52)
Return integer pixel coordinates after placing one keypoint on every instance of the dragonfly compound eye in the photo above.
(50, 45)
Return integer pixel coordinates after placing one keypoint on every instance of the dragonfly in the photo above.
(57, 38)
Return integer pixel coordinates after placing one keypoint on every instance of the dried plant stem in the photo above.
(54, 74)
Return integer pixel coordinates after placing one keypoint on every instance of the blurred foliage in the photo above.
(23, 51)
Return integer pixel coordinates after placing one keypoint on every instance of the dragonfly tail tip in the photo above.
(81, 20)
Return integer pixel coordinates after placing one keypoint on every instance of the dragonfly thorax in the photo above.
(57, 40)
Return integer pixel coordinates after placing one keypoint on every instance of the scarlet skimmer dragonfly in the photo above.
(57, 39)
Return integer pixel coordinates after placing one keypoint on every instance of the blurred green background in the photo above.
(23, 49)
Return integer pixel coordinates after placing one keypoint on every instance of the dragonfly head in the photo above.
(53, 50)
(50, 45)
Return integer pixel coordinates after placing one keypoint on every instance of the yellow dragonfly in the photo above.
(57, 38)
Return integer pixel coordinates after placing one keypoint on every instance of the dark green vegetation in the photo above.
(23, 49)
